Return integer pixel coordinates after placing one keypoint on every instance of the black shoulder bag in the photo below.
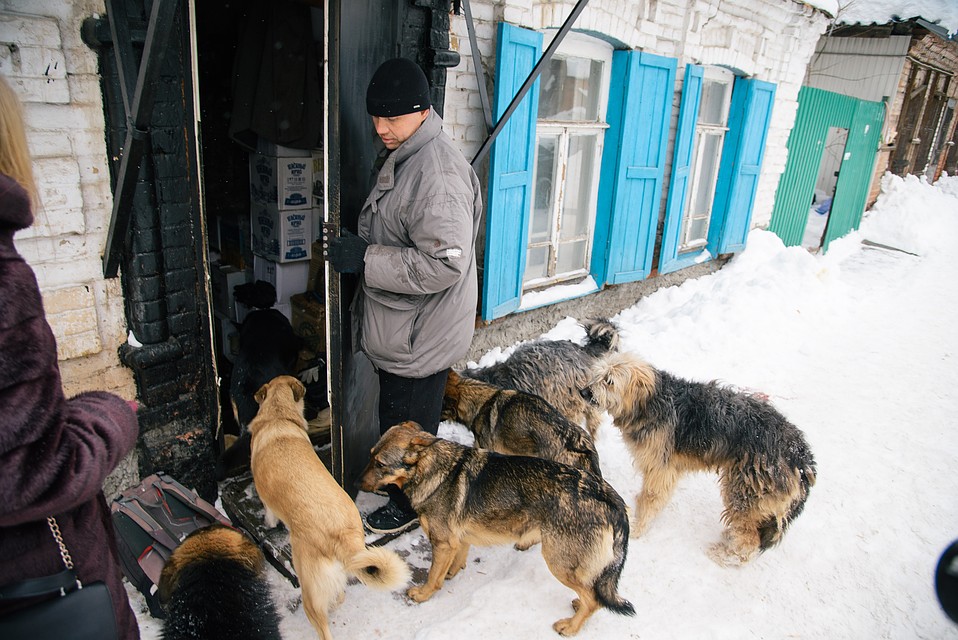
(73, 611)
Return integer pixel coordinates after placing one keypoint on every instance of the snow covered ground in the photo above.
(859, 348)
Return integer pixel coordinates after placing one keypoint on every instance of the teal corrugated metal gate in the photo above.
(817, 111)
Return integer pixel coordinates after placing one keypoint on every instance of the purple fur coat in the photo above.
(54, 452)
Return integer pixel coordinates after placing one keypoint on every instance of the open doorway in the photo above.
(259, 78)
(833, 155)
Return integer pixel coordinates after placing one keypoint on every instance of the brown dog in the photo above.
(517, 423)
(470, 496)
(325, 528)
(672, 426)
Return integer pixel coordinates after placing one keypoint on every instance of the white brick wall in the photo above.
(772, 40)
(55, 74)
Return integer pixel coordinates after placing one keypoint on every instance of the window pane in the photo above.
(706, 160)
(536, 263)
(705, 179)
(698, 229)
(580, 170)
(569, 89)
(571, 257)
(542, 209)
(712, 110)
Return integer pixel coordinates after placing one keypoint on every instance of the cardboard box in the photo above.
(281, 235)
(268, 148)
(289, 278)
(229, 337)
(234, 235)
(223, 278)
(309, 320)
(282, 182)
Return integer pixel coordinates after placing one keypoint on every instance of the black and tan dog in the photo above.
(214, 588)
(556, 370)
(672, 426)
(517, 423)
(471, 496)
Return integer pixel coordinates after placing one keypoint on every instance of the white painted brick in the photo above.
(485, 32)
(483, 11)
(514, 15)
(25, 30)
(57, 9)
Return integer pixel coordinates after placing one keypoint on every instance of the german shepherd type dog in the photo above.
(214, 588)
(471, 496)
(556, 370)
(517, 423)
(325, 528)
(672, 426)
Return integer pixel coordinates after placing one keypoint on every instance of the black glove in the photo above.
(346, 252)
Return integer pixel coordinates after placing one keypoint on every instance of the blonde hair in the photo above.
(14, 153)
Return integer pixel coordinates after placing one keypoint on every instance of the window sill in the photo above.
(558, 293)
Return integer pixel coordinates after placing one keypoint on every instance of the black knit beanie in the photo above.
(398, 87)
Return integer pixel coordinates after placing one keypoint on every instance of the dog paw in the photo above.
(419, 594)
(565, 627)
(724, 556)
(636, 529)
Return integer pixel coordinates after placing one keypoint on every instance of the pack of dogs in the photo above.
(533, 471)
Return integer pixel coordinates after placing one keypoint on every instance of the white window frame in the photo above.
(696, 180)
(578, 46)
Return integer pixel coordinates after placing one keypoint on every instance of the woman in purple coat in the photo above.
(54, 452)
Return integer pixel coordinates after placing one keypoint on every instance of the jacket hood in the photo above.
(15, 210)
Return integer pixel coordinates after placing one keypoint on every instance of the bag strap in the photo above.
(45, 586)
(58, 538)
(143, 519)
(166, 484)
(62, 582)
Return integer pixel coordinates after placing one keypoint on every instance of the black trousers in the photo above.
(417, 399)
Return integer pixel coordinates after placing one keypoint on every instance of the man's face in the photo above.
(397, 129)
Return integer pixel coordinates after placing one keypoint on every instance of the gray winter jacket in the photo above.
(419, 293)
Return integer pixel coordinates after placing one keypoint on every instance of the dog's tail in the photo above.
(607, 584)
(601, 336)
(379, 568)
(770, 531)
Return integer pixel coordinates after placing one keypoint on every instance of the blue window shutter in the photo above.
(633, 166)
(510, 173)
(681, 165)
(749, 115)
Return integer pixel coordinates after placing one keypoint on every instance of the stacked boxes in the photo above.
(281, 195)
(285, 202)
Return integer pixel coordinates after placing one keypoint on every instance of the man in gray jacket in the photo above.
(415, 251)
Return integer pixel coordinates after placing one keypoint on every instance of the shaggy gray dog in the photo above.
(672, 426)
(556, 370)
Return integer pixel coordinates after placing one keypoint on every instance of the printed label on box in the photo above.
(283, 236)
(283, 182)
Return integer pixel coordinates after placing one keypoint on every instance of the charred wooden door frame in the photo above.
(138, 103)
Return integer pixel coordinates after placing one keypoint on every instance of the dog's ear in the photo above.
(422, 441)
(408, 425)
(261, 394)
(298, 389)
(410, 457)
